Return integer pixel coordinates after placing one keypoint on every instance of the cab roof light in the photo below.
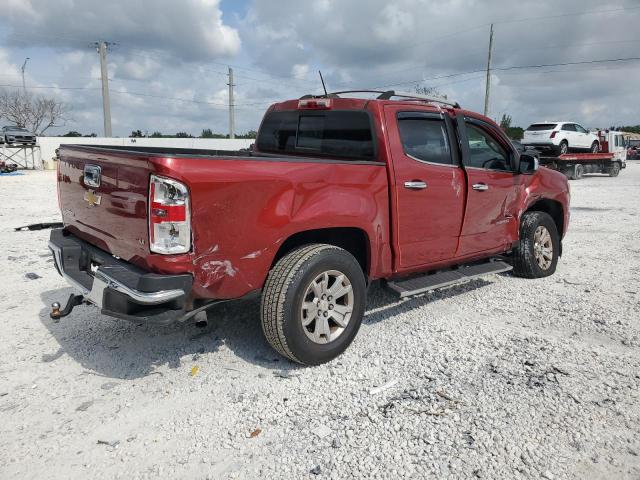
(314, 104)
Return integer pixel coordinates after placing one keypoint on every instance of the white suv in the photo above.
(560, 138)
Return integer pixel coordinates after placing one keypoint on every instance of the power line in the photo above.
(562, 15)
(516, 67)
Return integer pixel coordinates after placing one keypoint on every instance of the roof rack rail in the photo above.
(416, 96)
(389, 94)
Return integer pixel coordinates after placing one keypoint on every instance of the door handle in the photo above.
(415, 185)
(480, 187)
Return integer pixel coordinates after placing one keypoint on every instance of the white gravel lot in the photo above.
(500, 378)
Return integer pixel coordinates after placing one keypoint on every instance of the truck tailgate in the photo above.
(103, 197)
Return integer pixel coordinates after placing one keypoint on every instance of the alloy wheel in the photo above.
(327, 306)
(543, 247)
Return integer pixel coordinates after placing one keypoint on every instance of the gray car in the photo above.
(12, 135)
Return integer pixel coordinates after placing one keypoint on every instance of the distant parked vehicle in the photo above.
(560, 138)
(609, 160)
(633, 149)
(12, 135)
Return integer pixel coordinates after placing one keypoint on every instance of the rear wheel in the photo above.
(574, 172)
(595, 147)
(313, 303)
(614, 170)
(563, 148)
(536, 255)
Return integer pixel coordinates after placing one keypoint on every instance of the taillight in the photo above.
(169, 216)
(553, 134)
(58, 180)
(315, 104)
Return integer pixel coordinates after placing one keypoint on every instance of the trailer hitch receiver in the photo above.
(74, 300)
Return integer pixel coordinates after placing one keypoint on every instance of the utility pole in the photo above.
(24, 85)
(102, 48)
(488, 86)
(232, 120)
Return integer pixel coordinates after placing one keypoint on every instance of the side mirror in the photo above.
(528, 164)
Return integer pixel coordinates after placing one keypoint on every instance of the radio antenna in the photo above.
(323, 85)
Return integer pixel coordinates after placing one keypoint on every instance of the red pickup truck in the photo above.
(336, 192)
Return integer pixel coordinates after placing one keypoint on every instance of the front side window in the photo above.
(424, 138)
(485, 151)
(580, 129)
(346, 134)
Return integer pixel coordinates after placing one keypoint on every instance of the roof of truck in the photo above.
(358, 99)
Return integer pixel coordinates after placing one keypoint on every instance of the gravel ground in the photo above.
(500, 378)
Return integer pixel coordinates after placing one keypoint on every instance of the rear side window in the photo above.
(424, 138)
(569, 127)
(537, 127)
(346, 134)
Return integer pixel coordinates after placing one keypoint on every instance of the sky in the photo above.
(168, 60)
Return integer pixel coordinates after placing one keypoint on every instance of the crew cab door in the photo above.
(427, 185)
(490, 221)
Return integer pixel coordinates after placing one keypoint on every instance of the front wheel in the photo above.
(536, 255)
(313, 303)
(614, 170)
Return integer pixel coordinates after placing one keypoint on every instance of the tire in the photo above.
(578, 172)
(526, 255)
(563, 148)
(595, 147)
(291, 282)
(614, 170)
(574, 172)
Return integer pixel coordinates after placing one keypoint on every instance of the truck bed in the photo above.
(243, 206)
(165, 152)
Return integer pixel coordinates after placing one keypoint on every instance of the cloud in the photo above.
(179, 50)
(300, 70)
(430, 43)
(190, 30)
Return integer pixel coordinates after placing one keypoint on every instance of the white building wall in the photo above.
(48, 145)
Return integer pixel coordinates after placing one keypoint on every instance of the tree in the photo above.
(136, 134)
(72, 133)
(156, 135)
(183, 135)
(35, 113)
(512, 132)
(249, 134)
(505, 122)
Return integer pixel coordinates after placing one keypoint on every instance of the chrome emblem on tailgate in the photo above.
(92, 176)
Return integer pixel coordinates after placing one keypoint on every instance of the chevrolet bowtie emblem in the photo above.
(91, 198)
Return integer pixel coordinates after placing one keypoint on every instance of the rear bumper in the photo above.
(118, 288)
(543, 146)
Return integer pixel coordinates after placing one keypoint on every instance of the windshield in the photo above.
(537, 127)
(345, 134)
(17, 129)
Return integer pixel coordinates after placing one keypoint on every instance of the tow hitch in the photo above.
(74, 300)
